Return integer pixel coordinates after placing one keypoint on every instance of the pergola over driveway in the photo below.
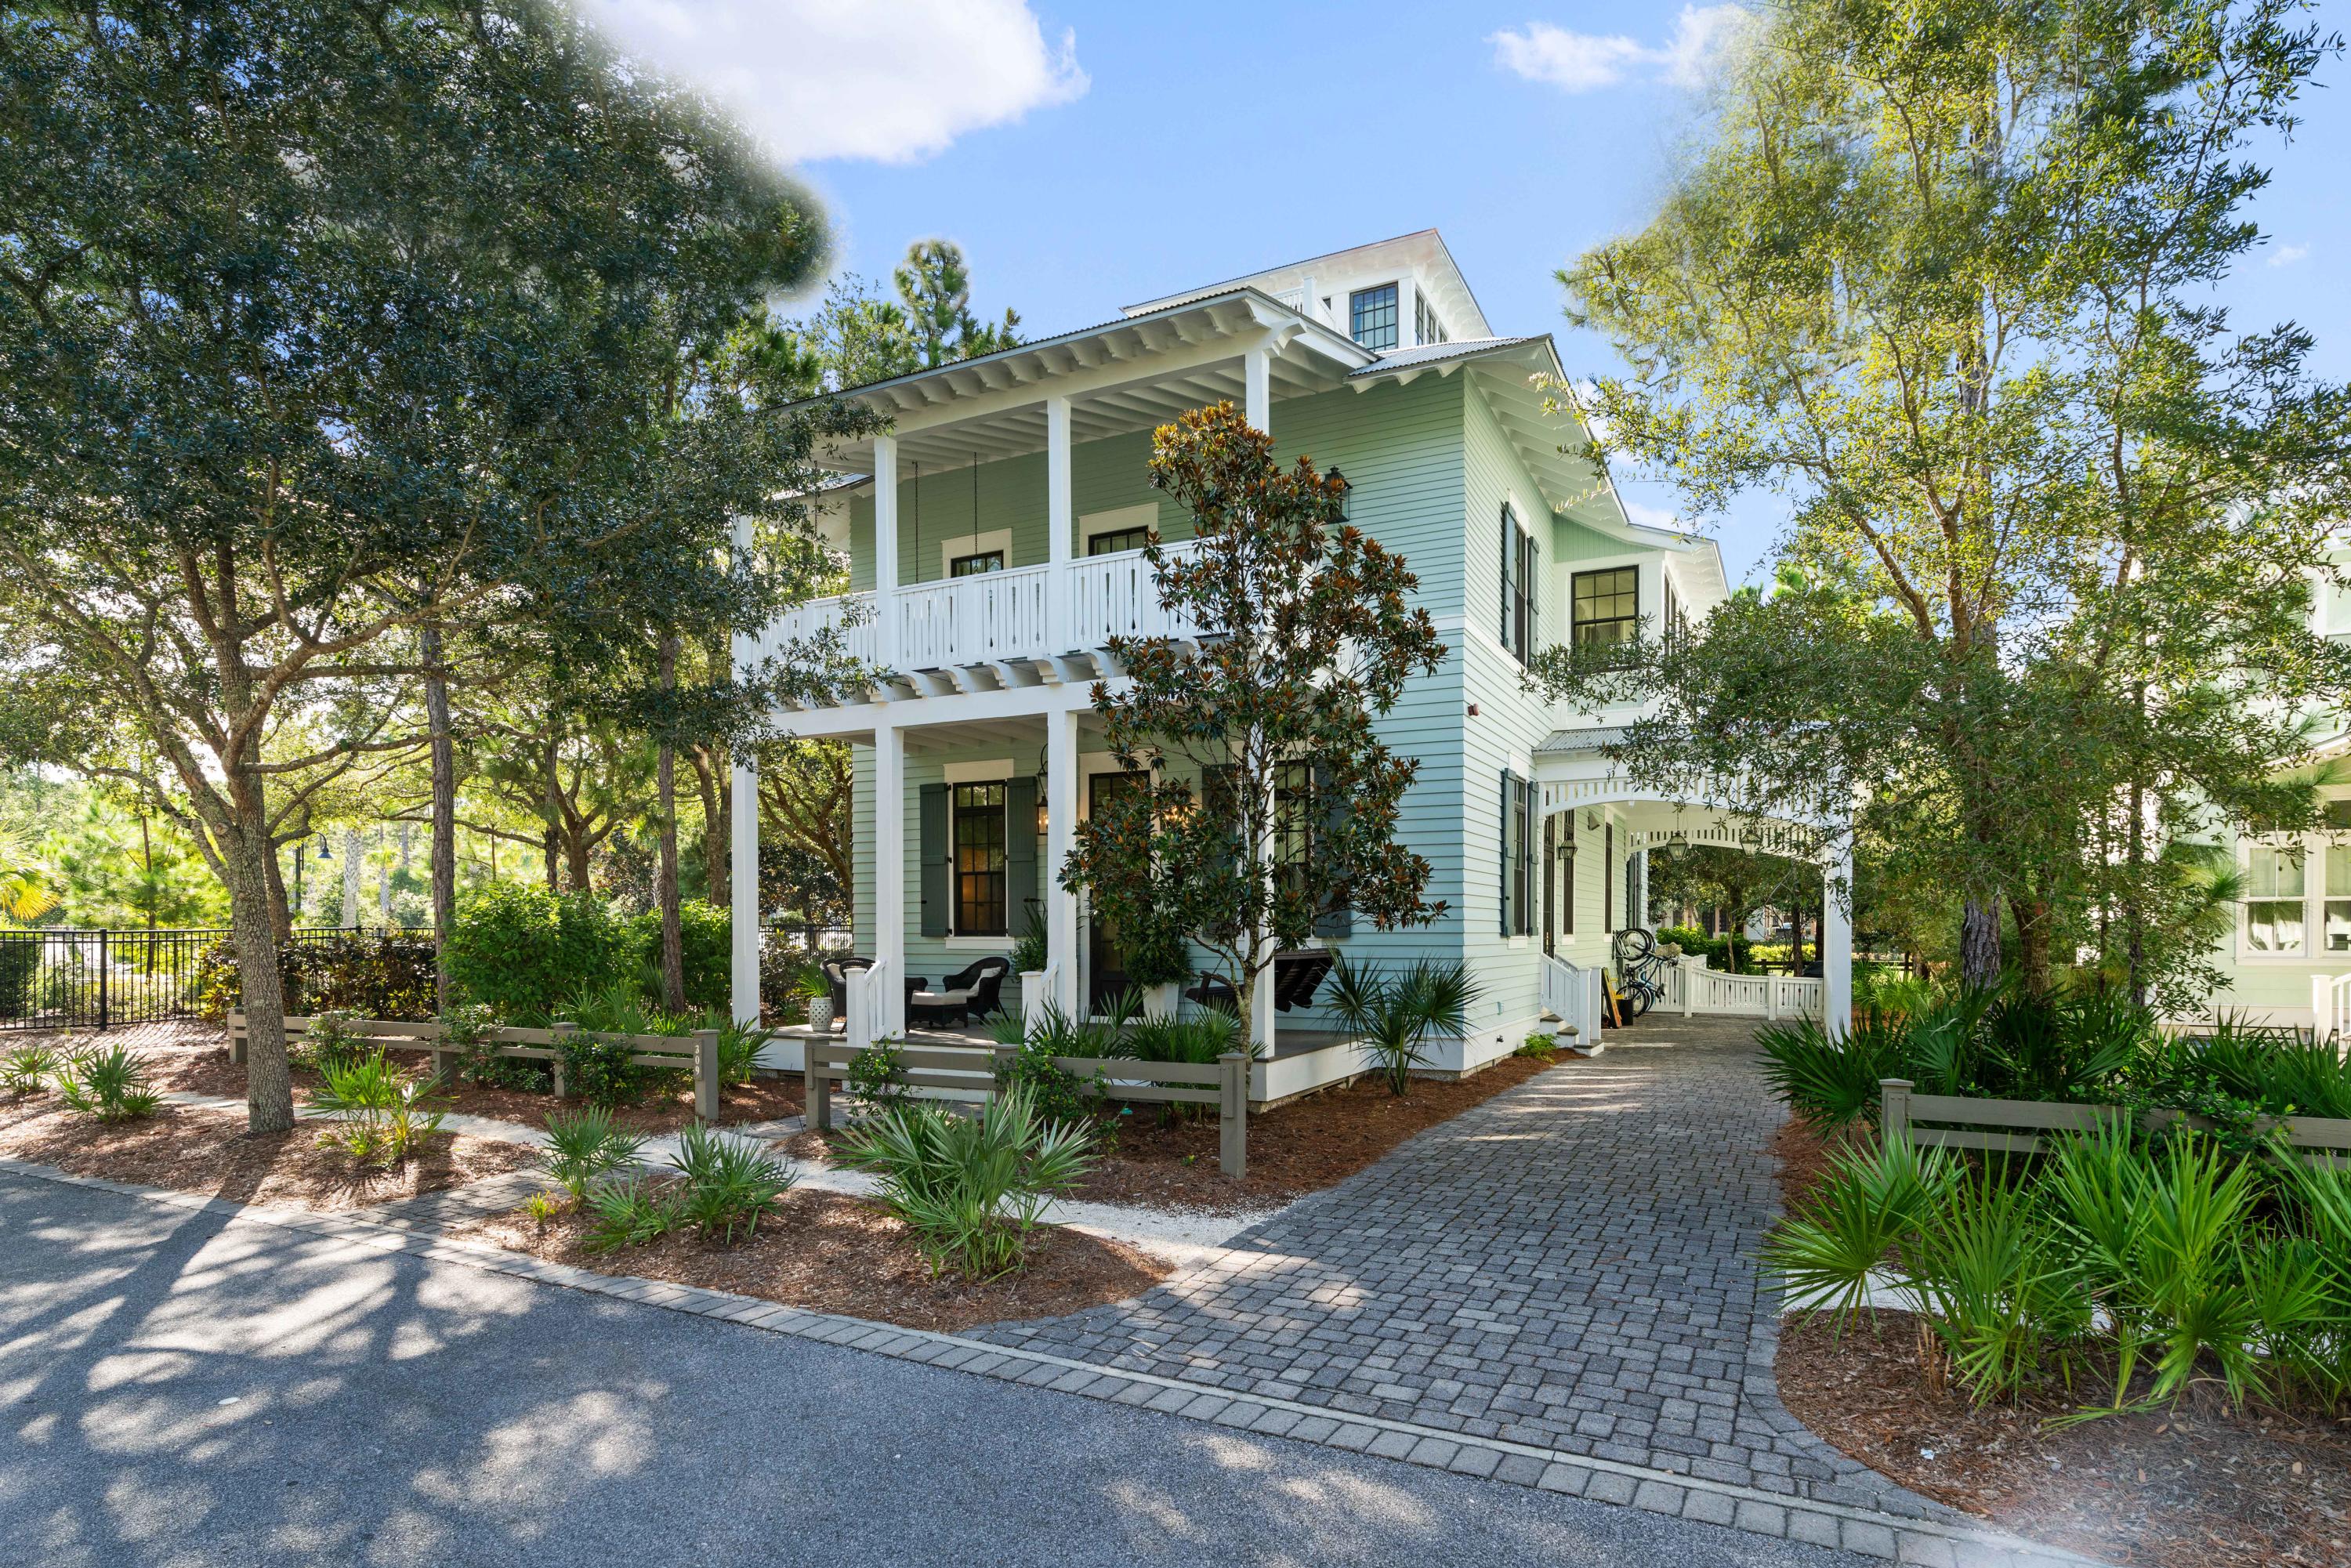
(1574, 773)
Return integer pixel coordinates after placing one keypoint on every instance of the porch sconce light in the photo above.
(1346, 494)
(1473, 710)
(1043, 774)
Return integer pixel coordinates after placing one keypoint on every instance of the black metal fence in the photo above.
(75, 979)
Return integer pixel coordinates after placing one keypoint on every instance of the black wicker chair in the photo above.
(962, 996)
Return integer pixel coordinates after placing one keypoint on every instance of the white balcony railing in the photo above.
(1029, 613)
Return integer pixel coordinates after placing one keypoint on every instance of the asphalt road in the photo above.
(194, 1390)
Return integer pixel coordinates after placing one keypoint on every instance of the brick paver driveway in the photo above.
(1570, 1265)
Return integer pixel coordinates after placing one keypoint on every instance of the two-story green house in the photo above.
(995, 537)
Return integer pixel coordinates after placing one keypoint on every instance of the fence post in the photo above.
(563, 1032)
(103, 967)
(1770, 996)
(1232, 1115)
(817, 1110)
(706, 1075)
(1893, 1108)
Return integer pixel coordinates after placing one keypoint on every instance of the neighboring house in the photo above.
(1008, 508)
(2288, 960)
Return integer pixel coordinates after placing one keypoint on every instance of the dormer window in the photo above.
(1372, 316)
(1426, 329)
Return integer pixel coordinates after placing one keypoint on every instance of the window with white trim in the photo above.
(1427, 328)
(2276, 889)
(1372, 316)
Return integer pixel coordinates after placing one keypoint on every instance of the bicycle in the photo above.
(1641, 970)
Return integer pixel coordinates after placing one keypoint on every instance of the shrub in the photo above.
(877, 1075)
(597, 1069)
(971, 1188)
(2160, 1257)
(328, 1043)
(380, 1112)
(707, 947)
(582, 1145)
(1055, 1091)
(1541, 1045)
(29, 1069)
(522, 950)
(390, 975)
(630, 1213)
(739, 1046)
(109, 1084)
(729, 1183)
(1396, 1014)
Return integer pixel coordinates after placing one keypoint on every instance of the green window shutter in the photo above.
(1509, 804)
(1020, 855)
(938, 860)
(1337, 920)
(1218, 783)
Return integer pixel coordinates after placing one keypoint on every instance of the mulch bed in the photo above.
(835, 1254)
(2194, 1487)
(1296, 1148)
(208, 1070)
(210, 1151)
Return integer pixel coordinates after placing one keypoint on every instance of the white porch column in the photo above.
(1256, 380)
(885, 552)
(1058, 524)
(1641, 891)
(743, 838)
(1836, 945)
(1061, 835)
(890, 872)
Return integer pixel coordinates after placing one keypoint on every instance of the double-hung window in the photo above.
(1519, 592)
(976, 563)
(1677, 628)
(1372, 316)
(1607, 607)
(980, 849)
(2276, 886)
(1427, 328)
(1112, 540)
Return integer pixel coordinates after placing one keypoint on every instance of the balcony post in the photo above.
(886, 551)
(1058, 524)
(743, 869)
(1061, 835)
(1256, 381)
(889, 873)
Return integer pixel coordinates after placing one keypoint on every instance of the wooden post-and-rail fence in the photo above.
(969, 1072)
(2017, 1126)
(696, 1053)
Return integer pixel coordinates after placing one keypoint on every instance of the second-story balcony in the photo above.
(1048, 622)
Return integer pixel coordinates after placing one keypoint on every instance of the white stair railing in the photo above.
(1571, 994)
(869, 1018)
(2330, 1009)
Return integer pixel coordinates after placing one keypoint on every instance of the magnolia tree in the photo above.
(1273, 711)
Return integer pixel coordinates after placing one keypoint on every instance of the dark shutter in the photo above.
(1021, 852)
(1510, 527)
(938, 860)
(1533, 600)
(1527, 857)
(1337, 920)
(1509, 816)
(1218, 783)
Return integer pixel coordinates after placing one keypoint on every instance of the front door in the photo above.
(1105, 968)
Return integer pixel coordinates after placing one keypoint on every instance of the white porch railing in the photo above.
(1028, 613)
(869, 1011)
(1037, 989)
(1750, 996)
(972, 619)
(1572, 994)
(2330, 1008)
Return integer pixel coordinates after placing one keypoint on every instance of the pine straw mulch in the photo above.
(1298, 1148)
(208, 1070)
(835, 1254)
(210, 1151)
(2193, 1487)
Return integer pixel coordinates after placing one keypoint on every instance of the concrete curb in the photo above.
(1927, 1543)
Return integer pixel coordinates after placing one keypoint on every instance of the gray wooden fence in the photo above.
(969, 1072)
(2015, 1126)
(696, 1053)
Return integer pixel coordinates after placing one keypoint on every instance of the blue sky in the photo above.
(1086, 156)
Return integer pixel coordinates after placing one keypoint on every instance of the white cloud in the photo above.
(1649, 517)
(838, 78)
(2287, 254)
(1580, 62)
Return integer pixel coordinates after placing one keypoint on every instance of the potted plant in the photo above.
(811, 985)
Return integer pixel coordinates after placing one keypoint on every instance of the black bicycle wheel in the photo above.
(1633, 945)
